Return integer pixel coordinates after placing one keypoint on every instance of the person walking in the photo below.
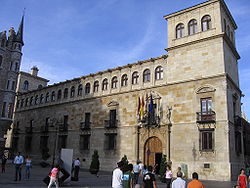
(137, 171)
(77, 164)
(168, 176)
(28, 166)
(242, 179)
(18, 162)
(149, 179)
(54, 174)
(179, 182)
(4, 160)
(195, 183)
(128, 177)
(117, 175)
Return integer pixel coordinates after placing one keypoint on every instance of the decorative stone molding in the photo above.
(112, 103)
(205, 89)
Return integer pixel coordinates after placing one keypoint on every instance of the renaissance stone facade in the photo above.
(185, 104)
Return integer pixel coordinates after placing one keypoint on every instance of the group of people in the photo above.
(19, 161)
(129, 179)
(179, 182)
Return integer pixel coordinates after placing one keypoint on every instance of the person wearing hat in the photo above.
(117, 176)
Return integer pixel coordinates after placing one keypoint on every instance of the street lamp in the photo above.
(169, 113)
(55, 123)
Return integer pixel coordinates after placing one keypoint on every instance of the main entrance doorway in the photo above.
(153, 152)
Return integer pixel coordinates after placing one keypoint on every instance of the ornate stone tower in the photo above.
(10, 60)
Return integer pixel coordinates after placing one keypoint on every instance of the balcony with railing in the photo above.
(111, 124)
(84, 126)
(206, 117)
(44, 129)
(28, 130)
(63, 127)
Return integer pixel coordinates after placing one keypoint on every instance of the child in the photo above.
(54, 173)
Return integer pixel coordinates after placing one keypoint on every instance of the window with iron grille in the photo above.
(84, 142)
(27, 145)
(206, 139)
(110, 141)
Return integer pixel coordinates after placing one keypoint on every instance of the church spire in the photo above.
(19, 35)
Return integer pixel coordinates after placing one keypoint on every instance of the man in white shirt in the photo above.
(179, 182)
(117, 176)
(77, 164)
(137, 171)
(18, 161)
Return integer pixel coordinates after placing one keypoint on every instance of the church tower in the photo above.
(10, 60)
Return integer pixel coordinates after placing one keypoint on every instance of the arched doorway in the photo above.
(153, 152)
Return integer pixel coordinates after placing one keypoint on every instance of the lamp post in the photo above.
(55, 123)
(169, 113)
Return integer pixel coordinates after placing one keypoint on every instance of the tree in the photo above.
(125, 161)
(163, 167)
(95, 164)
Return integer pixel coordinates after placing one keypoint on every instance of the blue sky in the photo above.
(71, 38)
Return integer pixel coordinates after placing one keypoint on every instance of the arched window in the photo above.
(206, 23)
(105, 84)
(47, 97)
(228, 31)
(72, 91)
(16, 66)
(26, 85)
(65, 93)
(1, 60)
(26, 101)
(96, 86)
(40, 86)
(36, 99)
(225, 25)
(79, 92)
(59, 94)
(87, 88)
(41, 98)
(135, 77)
(53, 96)
(146, 75)
(180, 30)
(114, 82)
(159, 73)
(2, 43)
(124, 80)
(192, 27)
(31, 101)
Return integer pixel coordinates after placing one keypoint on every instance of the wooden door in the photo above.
(152, 146)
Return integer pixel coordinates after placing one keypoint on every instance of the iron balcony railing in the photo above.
(206, 117)
(85, 125)
(111, 124)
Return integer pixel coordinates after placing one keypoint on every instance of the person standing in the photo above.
(168, 176)
(117, 175)
(128, 177)
(242, 179)
(179, 182)
(195, 183)
(54, 174)
(4, 160)
(149, 179)
(28, 166)
(18, 161)
(77, 164)
(137, 171)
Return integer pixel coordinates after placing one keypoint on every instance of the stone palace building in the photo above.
(185, 104)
